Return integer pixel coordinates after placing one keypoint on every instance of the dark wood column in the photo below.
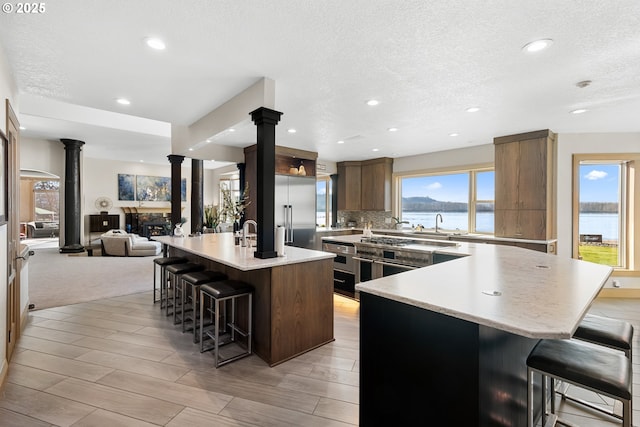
(266, 120)
(197, 191)
(72, 208)
(176, 197)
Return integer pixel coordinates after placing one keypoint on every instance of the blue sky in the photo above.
(599, 183)
(445, 188)
(448, 188)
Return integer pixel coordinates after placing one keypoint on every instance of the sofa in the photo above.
(121, 243)
(36, 229)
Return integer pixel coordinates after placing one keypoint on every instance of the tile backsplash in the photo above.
(361, 218)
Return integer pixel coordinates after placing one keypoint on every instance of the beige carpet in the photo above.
(57, 279)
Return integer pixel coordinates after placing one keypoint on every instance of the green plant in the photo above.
(232, 210)
(211, 216)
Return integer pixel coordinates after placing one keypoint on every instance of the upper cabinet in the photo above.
(525, 168)
(365, 185)
(349, 186)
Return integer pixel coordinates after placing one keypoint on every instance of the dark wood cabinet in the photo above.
(103, 222)
(365, 185)
(349, 186)
(525, 167)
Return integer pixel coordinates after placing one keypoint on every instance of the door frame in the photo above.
(12, 184)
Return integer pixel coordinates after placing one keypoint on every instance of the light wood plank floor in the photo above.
(121, 362)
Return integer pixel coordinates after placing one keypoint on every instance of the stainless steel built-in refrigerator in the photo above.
(295, 209)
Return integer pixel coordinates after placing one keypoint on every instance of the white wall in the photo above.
(476, 155)
(9, 91)
(586, 143)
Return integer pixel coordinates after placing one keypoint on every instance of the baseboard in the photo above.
(4, 369)
(619, 293)
(24, 318)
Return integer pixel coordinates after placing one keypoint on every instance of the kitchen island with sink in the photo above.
(447, 344)
(293, 298)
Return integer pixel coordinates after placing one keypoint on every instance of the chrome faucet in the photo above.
(245, 232)
(438, 215)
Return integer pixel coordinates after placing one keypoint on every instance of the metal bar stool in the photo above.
(607, 332)
(190, 289)
(211, 295)
(163, 262)
(585, 365)
(174, 271)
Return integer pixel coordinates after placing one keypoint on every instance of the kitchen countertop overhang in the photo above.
(517, 290)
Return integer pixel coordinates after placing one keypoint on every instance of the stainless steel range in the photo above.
(381, 256)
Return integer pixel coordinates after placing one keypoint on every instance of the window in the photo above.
(323, 202)
(46, 196)
(605, 209)
(465, 200)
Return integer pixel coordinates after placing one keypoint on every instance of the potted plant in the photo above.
(211, 219)
(232, 210)
(398, 222)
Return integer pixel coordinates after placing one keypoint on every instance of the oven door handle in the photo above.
(363, 259)
(339, 281)
(408, 267)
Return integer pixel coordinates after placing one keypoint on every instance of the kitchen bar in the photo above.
(456, 334)
(293, 299)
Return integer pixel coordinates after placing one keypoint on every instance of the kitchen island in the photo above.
(293, 299)
(447, 344)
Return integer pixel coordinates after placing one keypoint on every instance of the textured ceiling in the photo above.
(425, 61)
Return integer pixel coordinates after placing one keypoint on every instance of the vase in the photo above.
(178, 231)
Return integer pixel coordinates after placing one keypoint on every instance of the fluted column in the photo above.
(176, 178)
(266, 120)
(72, 194)
(197, 192)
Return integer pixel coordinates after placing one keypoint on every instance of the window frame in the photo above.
(327, 181)
(472, 200)
(629, 210)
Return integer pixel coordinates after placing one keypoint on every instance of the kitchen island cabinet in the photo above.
(293, 298)
(447, 344)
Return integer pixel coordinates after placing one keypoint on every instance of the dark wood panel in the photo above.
(349, 186)
(521, 224)
(376, 184)
(506, 176)
(302, 304)
(293, 305)
(522, 136)
(532, 176)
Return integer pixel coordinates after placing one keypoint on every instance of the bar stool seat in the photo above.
(585, 365)
(221, 292)
(162, 263)
(191, 283)
(174, 271)
(605, 331)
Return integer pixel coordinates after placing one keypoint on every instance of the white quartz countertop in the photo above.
(220, 247)
(525, 292)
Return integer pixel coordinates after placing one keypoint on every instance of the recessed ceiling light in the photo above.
(392, 129)
(579, 111)
(155, 43)
(537, 45)
(341, 142)
(23, 128)
(292, 131)
(453, 134)
(232, 130)
(472, 109)
(190, 149)
(373, 102)
(123, 101)
(141, 161)
(376, 149)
